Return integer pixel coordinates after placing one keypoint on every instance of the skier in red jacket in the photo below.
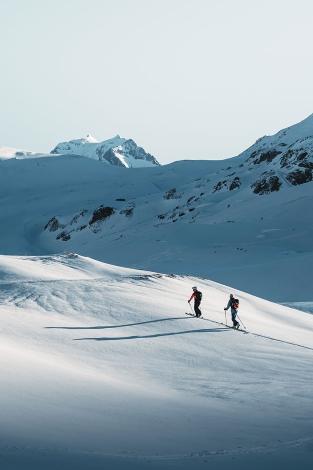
(197, 295)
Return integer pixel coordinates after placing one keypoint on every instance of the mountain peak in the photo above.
(116, 151)
(91, 139)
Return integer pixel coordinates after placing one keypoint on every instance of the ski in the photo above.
(232, 328)
(193, 315)
(218, 323)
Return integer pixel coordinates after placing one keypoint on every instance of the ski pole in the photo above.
(225, 317)
(241, 321)
(191, 308)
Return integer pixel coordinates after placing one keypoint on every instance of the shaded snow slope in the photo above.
(117, 151)
(167, 219)
(107, 367)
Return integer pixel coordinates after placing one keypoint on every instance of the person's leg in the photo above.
(197, 309)
(233, 317)
(237, 324)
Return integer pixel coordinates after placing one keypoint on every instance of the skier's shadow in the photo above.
(115, 326)
(156, 335)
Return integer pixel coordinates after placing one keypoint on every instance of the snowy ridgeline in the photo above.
(102, 367)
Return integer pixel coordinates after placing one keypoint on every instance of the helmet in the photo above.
(194, 288)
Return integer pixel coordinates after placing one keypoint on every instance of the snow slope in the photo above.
(103, 369)
(300, 132)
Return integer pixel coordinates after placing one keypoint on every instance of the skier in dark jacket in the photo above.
(233, 304)
(197, 295)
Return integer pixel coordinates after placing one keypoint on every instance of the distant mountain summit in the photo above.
(117, 151)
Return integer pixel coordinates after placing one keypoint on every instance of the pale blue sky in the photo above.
(185, 79)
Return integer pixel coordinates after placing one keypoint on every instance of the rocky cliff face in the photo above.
(288, 155)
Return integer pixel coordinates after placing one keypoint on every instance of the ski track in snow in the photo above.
(257, 335)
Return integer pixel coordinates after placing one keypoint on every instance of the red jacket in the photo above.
(194, 296)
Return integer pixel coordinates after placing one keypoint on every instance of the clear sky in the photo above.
(198, 79)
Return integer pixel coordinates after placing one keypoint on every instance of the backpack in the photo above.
(198, 296)
(235, 304)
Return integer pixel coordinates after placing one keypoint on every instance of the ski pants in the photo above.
(197, 309)
(233, 316)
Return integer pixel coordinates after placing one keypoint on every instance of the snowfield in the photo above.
(103, 369)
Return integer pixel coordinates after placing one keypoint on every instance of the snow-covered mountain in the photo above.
(286, 157)
(116, 151)
(243, 221)
(100, 368)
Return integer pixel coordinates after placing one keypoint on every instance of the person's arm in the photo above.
(228, 305)
(192, 296)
